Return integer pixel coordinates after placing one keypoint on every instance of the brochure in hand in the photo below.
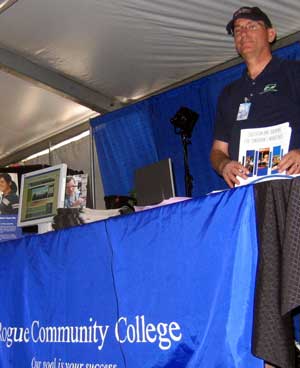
(261, 150)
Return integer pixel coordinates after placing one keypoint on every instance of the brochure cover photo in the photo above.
(261, 150)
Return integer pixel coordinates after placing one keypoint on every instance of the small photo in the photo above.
(276, 157)
(249, 161)
(76, 191)
(263, 161)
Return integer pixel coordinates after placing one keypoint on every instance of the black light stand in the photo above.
(188, 179)
(184, 121)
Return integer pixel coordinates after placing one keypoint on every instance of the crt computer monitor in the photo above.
(154, 183)
(42, 192)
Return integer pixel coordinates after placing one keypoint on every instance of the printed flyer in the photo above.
(76, 191)
(261, 150)
(9, 205)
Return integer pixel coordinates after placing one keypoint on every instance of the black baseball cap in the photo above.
(247, 12)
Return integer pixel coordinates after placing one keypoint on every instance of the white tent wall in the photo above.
(98, 55)
(77, 156)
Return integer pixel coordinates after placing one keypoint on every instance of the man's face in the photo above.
(70, 187)
(252, 38)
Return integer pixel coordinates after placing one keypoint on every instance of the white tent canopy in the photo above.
(64, 60)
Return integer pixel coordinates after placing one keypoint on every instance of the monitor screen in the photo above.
(154, 183)
(42, 192)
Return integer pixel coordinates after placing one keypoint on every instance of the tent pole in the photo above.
(49, 154)
(92, 169)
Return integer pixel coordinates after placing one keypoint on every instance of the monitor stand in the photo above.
(45, 227)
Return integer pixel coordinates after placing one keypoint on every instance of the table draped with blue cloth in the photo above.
(170, 287)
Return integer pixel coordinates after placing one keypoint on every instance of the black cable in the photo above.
(115, 289)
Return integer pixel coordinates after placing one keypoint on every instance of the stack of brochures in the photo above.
(261, 150)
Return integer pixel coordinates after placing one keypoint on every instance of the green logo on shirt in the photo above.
(270, 88)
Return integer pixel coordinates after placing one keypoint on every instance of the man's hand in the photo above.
(225, 167)
(290, 162)
(231, 170)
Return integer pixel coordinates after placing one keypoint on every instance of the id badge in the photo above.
(244, 110)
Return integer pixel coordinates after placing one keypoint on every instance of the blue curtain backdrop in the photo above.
(141, 134)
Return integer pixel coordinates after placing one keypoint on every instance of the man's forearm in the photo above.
(218, 160)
